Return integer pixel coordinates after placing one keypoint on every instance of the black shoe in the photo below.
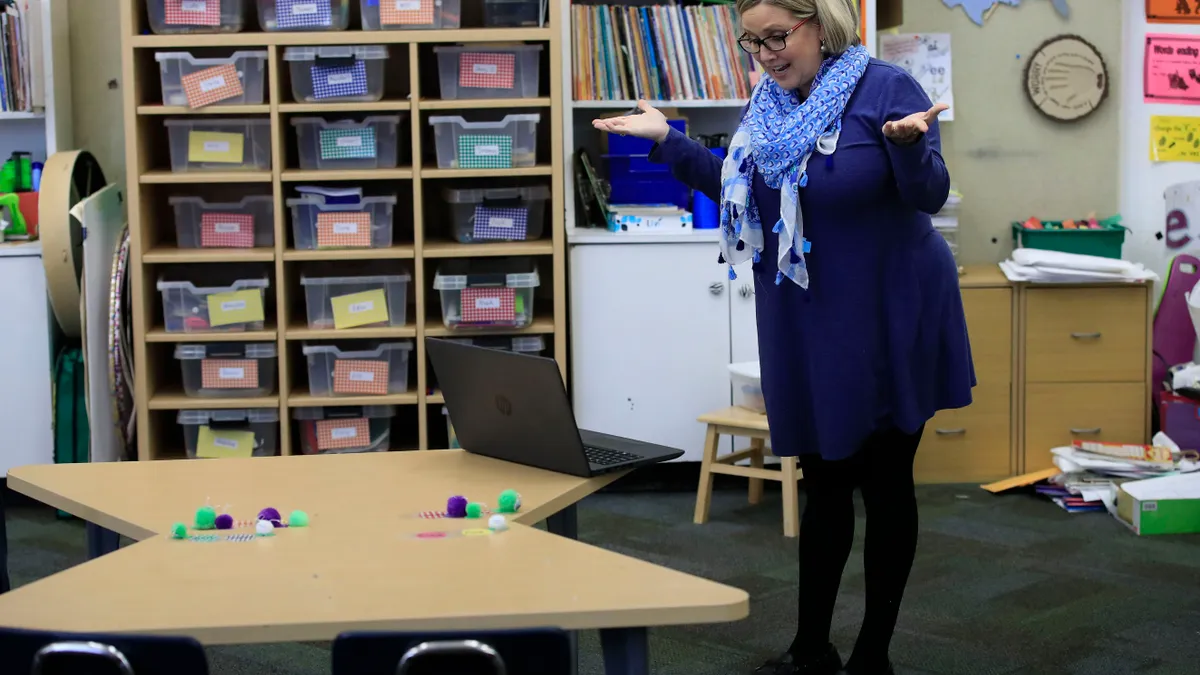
(828, 663)
(852, 669)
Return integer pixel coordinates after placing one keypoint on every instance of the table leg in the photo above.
(4, 582)
(626, 651)
(564, 523)
(101, 541)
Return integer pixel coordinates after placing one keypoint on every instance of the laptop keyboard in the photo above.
(606, 457)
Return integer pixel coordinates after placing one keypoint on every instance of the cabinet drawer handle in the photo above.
(1086, 336)
(950, 432)
(716, 288)
(1094, 430)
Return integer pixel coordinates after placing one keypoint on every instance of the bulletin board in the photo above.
(1008, 160)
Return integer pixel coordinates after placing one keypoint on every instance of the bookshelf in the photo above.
(45, 127)
(421, 241)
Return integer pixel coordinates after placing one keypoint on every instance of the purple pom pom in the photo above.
(224, 522)
(456, 507)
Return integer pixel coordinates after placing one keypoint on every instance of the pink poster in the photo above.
(1172, 69)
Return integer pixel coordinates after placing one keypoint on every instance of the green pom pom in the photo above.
(474, 510)
(510, 501)
(298, 519)
(179, 531)
(206, 518)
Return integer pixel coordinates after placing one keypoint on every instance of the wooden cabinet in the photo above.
(974, 444)
(1086, 367)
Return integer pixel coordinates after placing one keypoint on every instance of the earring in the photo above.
(822, 45)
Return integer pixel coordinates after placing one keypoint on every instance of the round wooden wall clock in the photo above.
(1066, 79)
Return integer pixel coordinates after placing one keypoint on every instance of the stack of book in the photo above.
(658, 52)
(19, 61)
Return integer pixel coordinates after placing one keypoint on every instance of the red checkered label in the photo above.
(211, 85)
(342, 229)
(229, 374)
(486, 70)
(226, 230)
(487, 305)
(192, 12)
(353, 376)
(405, 12)
(342, 434)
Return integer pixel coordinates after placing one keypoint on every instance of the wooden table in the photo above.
(359, 565)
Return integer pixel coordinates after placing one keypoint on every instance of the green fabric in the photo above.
(484, 151)
(71, 431)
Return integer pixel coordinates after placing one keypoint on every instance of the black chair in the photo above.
(520, 652)
(31, 652)
(5, 584)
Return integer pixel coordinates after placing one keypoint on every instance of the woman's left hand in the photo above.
(909, 129)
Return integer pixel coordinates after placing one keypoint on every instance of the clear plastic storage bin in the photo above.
(219, 144)
(195, 83)
(347, 144)
(747, 386)
(337, 73)
(224, 369)
(352, 302)
(498, 214)
(342, 429)
(315, 15)
(487, 293)
(512, 13)
(317, 223)
(410, 14)
(218, 433)
(188, 308)
(169, 17)
(249, 223)
(509, 143)
(532, 345)
(380, 370)
(488, 72)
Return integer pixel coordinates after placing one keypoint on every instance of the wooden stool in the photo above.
(741, 422)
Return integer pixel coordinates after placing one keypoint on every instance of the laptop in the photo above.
(514, 407)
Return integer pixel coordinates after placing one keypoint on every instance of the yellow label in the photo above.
(211, 443)
(235, 307)
(360, 309)
(1174, 139)
(211, 146)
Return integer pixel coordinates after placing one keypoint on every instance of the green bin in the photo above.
(1105, 242)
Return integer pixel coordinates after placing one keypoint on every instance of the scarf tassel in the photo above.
(732, 274)
(803, 182)
(778, 278)
(778, 226)
(757, 256)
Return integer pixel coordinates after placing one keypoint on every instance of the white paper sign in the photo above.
(349, 141)
(342, 433)
(926, 56)
(212, 83)
(484, 69)
(360, 307)
(340, 78)
(487, 303)
(233, 305)
(362, 376)
(194, 5)
(216, 146)
(231, 373)
(345, 228)
(492, 150)
(228, 228)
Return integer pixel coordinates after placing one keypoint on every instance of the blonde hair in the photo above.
(838, 18)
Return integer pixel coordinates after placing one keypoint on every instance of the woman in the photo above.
(827, 188)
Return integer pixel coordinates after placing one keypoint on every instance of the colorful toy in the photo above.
(264, 528)
(474, 510)
(206, 518)
(298, 518)
(272, 515)
(224, 522)
(497, 523)
(510, 501)
(456, 507)
(179, 531)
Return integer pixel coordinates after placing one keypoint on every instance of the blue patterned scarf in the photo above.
(777, 136)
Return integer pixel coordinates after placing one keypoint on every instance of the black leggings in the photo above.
(882, 468)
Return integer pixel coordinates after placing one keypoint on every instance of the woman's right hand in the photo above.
(650, 124)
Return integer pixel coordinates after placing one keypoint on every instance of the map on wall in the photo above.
(979, 10)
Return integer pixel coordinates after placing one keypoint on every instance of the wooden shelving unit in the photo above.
(417, 250)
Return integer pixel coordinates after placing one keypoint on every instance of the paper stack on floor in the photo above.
(1038, 266)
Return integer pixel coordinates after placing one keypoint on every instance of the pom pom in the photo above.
(179, 531)
(510, 501)
(456, 507)
(272, 515)
(720, 259)
(497, 523)
(298, 519)
(264, 528)
(206, 518)
(224, 522)
(474, 510)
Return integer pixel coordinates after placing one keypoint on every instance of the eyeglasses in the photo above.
(773, 43)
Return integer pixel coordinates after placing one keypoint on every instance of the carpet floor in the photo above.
(1007, 584)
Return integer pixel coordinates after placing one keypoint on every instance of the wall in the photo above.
(95, 62)
(1009, 161)
(1143, 181)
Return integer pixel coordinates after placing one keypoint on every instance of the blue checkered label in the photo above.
(348, 143)
(505, 224)
(339, 81)
(303, 13)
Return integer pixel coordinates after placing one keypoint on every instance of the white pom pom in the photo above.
(264, 527)
(497, 523)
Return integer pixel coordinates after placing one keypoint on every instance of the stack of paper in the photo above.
(1036, 265)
